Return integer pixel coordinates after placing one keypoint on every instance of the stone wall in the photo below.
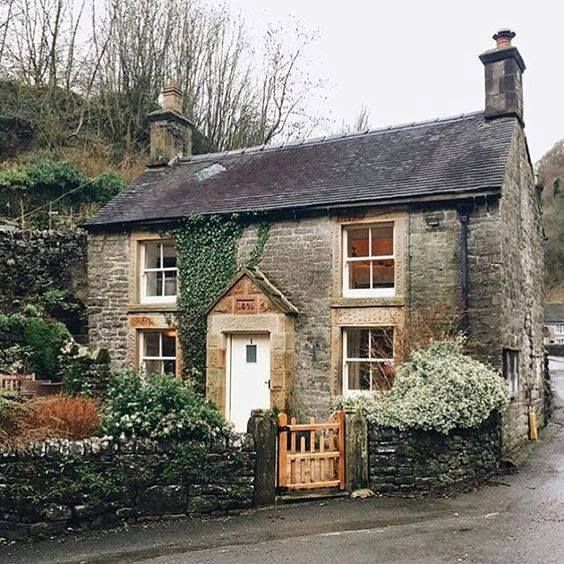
(403, 462)
(108, 295)
(98, 483)
(35, 263)
(522, 276)
(297, 259)
(434, 257)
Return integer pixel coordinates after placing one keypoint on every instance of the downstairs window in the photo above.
(368, 359)
(158, 351)
(511, 370)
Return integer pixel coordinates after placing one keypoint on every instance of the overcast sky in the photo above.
(410, 60)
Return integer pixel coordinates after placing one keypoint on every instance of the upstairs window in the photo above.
(158, 281)
(368, 359)
(369, 262)
(511, 370)
(158, 351)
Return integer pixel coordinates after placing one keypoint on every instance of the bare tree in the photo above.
(6, 16)
(360, 123)
(100, 67)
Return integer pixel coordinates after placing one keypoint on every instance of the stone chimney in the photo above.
(504, 69)
(170, 130)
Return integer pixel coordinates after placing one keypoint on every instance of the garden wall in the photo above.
(425, 461)
(99, 483)
(45, 268)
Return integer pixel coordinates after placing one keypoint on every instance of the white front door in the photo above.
(249, 377)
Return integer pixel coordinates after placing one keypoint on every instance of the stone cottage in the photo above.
(373, 236)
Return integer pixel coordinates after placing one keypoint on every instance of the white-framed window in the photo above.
(368, 260)
(158, 275)
(559, 329)
(368, 359)
(511, 370)
(157, 351)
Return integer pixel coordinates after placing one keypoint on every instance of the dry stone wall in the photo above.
(407, 462)
(100, 483)
(34, 263)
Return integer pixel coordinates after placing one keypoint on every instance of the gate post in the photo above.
(356, 432)
(262, 426)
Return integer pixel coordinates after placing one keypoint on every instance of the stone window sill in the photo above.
(391, 301)
(146, 308)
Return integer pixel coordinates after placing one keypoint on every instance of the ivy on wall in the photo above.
(207, 262)
(262, 238)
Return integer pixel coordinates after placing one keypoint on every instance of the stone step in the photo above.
(297, 496)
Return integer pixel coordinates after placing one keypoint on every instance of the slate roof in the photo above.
(554, 313)
(440, 157)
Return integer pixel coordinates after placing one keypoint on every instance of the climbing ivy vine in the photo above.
(262, 238)
(207, 262)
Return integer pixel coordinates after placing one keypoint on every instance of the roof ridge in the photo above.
(329, 138)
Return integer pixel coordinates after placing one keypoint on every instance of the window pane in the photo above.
(359, 275)
(154, 283)
(170, 284)
(357, 343)
(169, 367)
(383, 239)
(382, 375)
(357, 243)
(251, 354)
(151, 343)
(169, 345)
(169, 255)
(152, 255)
(383, 273)
(359, 376)
(153, 367)
(382, 342)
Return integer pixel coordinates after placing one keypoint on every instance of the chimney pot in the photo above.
(503, 37)
(171, 97)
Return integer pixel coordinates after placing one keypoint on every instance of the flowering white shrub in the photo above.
(158, 407)
(439, 388)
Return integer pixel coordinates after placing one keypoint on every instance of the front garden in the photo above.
(149, 447)
(125, 446)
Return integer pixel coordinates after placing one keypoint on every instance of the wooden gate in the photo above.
(311, 455)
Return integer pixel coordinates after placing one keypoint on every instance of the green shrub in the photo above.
(439, 388)
(33, 343)
(45, 338)
(158, 407)
(76, 376)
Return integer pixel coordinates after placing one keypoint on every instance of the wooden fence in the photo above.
(13, 383)
(311, 455)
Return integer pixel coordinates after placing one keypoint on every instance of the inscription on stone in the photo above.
(245, 306)
(141, 321)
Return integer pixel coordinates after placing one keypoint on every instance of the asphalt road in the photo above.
(518, 518)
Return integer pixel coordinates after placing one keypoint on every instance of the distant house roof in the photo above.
(440, 157)
(554, 313)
